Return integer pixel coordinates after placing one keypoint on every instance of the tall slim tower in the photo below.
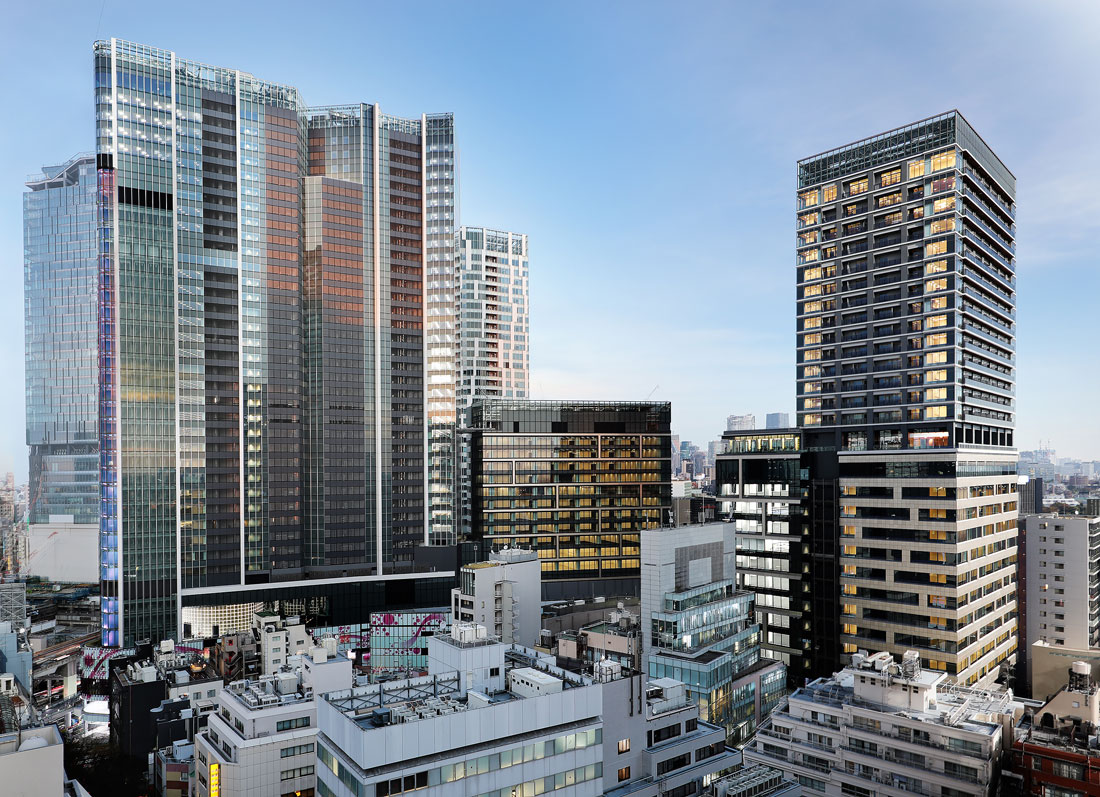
(494, 353)
(906, 315)
(261, 339)
(60, 321)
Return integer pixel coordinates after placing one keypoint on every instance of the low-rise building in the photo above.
(32, 760)
(174, 769)
(617, 639)
(755, 781)
(883, 729)
(1057, 753)
(279, 638)
(261, 739)
(498, 719)
(503, 594)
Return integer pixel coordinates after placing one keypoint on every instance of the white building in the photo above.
(279, 639)
(1063, 580)
(882, 729)
(503, 594)
(261, 740)
(497, 719)
(32, 762)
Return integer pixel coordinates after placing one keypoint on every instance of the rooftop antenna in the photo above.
(654, 390)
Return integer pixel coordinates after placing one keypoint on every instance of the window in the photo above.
(666, 766)
(888, 199)
(941, 205)
(624, 774)
(828, 193)
(934, 321)
(299, 749)
(916, 169)
(937, 303)
(807, 199)
(624, 746)
(287, 725)
(938, 339)
(936, 227)
(931, 286)
(935, 267)
(935, 376)
(858, 186)
(936, 394)
(933, 248)
(944, 160)
(890, 177)
(299, 772)
(935, 412)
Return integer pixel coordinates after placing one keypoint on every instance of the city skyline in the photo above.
(736, 321)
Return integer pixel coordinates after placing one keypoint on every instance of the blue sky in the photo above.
(649, 151)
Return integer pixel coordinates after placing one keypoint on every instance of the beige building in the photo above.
(928, 558)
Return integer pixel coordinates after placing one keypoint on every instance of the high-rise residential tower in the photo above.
(494, 354)
(60, 281)
(261, 341)
(906, 373)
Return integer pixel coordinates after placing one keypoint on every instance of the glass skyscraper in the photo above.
(261, 334)
(60, 281)
(906, 330)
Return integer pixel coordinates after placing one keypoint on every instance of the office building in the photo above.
(576, 481)
(877, 727)
(759, 486)
(60, 323)
(503, 594)
(1063, 577)
(269, 430)
(494, 352)
(262, 739)
(777, 420)
(906, 371)
(1031, 495)
(494, 719)
(617, 638)
(740, 423)
(698, 628)
(1058, 752)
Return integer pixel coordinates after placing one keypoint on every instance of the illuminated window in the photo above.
(849, 628)
(940, 226)
(624, 774)
(933, 248)
(851, 210)
(931, 286)
(941, 184)
(935, 376)
(624, 745)
(935, 267)
(812, 339)
(811, 371)
(812, 307)
(939, 339)
(937, 578)
(828, 193)
(810, 255)
(940, 536)
(858, 186)
(813, 354)
(813, 387)
(935, 394)
(916, 169)
(890, 177)
(934, 321)
(944, 160)
(935, 412)
(889, 199)
(848, 589)
(937, 303)
(848, 608)
(848, 570)
(808, 237)
(940, 205)
(892, 218)
(828, 252)
(807, 219)
(812, 273)
(807, 199)
(811, 403)
(812, 420)
(813, 290)
(813, 323)
(848, 531)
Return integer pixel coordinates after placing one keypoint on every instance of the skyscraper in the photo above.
(60, 280)
(906, 371)
(777, 420)
(494, 354)
(739, 423)
(261, 339)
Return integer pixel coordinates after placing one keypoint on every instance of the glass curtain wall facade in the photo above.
(261, 356)
(494, 358)
(906, 370)
(576, 481)
(60, 315)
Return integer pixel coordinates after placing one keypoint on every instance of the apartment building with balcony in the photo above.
(880, 728)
